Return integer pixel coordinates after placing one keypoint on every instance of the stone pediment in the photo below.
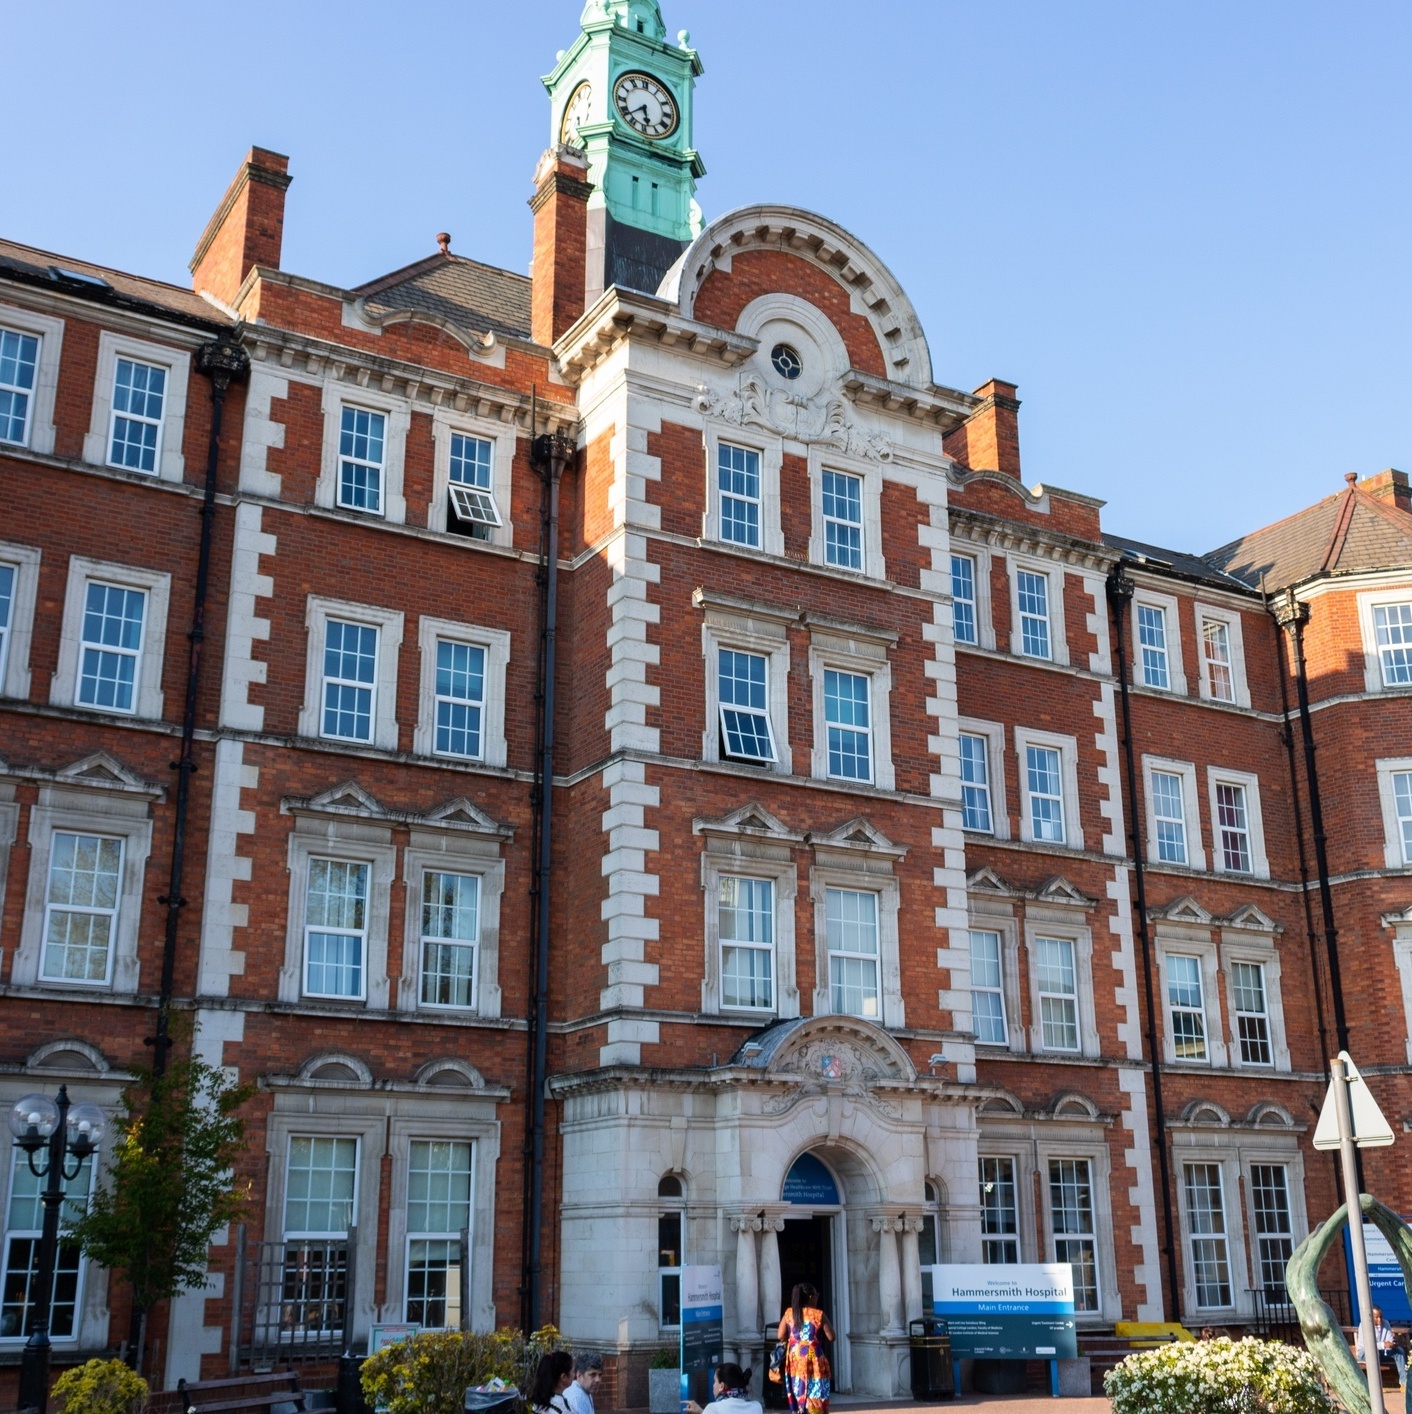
(461, 814)
(1251, 919)
(1182, 910)
(347, 799)
(986, 881)
(350, 800)
(857, 834)
(1060, 890)
(752, 819)
(828, 1050)
(105, 771)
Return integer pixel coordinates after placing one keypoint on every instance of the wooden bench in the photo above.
(1106, 1351)
(276, 1393)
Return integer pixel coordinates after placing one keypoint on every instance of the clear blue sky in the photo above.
(1181, 228)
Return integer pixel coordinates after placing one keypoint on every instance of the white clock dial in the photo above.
(576, 113)
(645, 105)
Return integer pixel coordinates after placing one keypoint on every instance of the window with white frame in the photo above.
(81, 908)
(975, 783)
(1072, 1223)
(349, 680)
(1169, 817)
(843, 519)
(848, 723)
(111, 650)
(438, 1214)
(19, 589)
(1000, 1211)
(9, 581)
(1217, 666)
(450, 939)
(745, 914)
(1032, 600)
(336, 929)
(320, 1200)
(19, 369)
(743, 684)
(929, 1248)
(1392, 625)
(1233, 827)
(851, 918)
(1186, 1007)
(988, 989)
(139, 398)
(1252, 1013)
(1044, 790)
(1207, 1234)
(19, 1275)
(473, 511)
(669, 1254)
(1057, 986)
(362, 457)
(738, 487)
(963, 599)
(1394, 775)
(1151, 621)
(460, 698)
(1274, 1227)
(1402, 797)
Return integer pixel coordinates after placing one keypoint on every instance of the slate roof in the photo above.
(1180, 563)
(37, 267)
(1343, 533)
(467, 294)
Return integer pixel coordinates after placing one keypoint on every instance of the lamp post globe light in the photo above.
(58, 1130)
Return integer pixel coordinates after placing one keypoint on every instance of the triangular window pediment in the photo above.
(348, 798)
(856, 834)
(752, 819)
(1060, 890)
(986, 881)
(1183, 910)
(1250, 917)
(100, 769)
(461, 812)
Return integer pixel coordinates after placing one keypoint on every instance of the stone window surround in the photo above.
(388, 623)
(496, 643)
(758, 859)
(997, 916)
(1240, 945)
(852, 652)
(1068, 750)
(751, 630)
(171, 464)
(398, 412)
(444, 422)
(1050, 921)
(1186, 941)
(40, 431)
(1172, 632)
(870, 474)
(14, 667)
(1232, 619)
(1054, 573)
(1254, 821)
(147, 696)
(993, 1143)
(1394, 856)
(364, 842)
(870, 872)
(1400, 925)
(994, 734)
(771, 452)
(985, 619)
(1191, 811)
(457, 853)
(1367, 601)
(111, 812)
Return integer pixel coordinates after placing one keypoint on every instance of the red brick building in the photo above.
(869, 941)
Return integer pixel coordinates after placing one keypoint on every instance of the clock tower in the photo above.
(623, 93)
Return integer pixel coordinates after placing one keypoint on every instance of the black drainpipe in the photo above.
(549, 455)
(222, 362)
(1292, 614)
(1120, 593)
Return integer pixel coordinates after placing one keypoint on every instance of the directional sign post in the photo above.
(1352, 1120)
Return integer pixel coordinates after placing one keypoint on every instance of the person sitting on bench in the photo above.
(1388, 1348)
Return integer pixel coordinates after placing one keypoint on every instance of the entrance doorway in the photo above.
(806, 1254)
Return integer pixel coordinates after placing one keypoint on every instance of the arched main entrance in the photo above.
(813, 1248)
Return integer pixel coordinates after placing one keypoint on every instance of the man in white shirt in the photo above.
(588, 1370)
(1386, 1342)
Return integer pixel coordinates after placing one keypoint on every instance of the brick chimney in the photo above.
(1390, 486)
(560, 206)
(989, 440)
(247, 229)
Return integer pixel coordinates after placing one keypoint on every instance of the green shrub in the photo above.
(665, 1360)
(100, 1387)
(431, 1372)
(1218, 1377)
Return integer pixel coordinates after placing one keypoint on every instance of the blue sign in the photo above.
(1010, 1312)
(808, 1181)
(702, 1331)
(1384, 1277)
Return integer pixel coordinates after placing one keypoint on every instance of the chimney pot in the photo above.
(443, 242)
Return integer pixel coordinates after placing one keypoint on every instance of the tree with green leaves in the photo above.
(170, 1184)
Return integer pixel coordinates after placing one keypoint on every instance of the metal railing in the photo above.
(1274, 1316)
(290, 1301)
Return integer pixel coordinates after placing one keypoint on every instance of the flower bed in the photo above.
(1218, 1377)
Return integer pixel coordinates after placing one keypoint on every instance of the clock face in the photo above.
(575, 114)
(645, 105)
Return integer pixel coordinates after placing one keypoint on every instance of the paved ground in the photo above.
(991, 1403)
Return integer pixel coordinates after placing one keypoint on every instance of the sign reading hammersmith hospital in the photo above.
(1020, 1312)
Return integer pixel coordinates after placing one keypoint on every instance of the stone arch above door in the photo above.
(839, 1050)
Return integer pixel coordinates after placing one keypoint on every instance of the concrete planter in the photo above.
(664, 1391)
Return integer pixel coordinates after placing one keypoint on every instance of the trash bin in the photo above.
(930, 1343)
(493, 1401)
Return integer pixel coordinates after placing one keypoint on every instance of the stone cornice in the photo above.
(980, 528)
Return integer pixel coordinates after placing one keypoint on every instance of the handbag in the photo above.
(776, 1371)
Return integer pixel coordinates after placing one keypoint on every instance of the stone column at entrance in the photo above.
(747, 1283)
(889, 1274)
(770, 1297)
(911, 1269)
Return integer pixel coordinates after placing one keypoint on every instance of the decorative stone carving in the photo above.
(824, 420)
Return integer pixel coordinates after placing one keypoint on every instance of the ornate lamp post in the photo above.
(60, 1130)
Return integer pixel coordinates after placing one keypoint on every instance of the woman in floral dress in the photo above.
(803, 1328)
